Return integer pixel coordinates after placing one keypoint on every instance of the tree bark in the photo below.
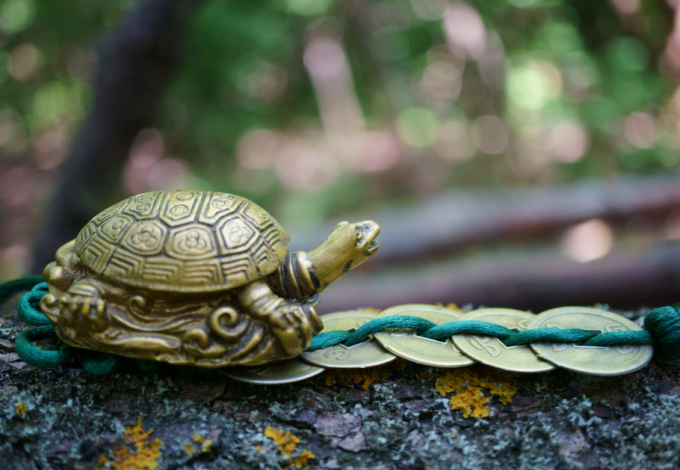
(523, 280)
(391, 417)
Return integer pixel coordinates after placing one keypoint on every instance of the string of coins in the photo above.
(603, 344)
(461, 350)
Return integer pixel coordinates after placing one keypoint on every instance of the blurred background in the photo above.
(518, 153)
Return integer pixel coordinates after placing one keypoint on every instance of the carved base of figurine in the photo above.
(247, 326)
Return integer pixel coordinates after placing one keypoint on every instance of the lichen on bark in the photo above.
(65, 419)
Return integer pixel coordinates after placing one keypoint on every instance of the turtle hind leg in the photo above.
(294, 324)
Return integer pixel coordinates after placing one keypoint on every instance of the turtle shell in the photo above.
(183, 241)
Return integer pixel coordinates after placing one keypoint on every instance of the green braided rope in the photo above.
(662, 331)
(99, 364)
(33, 355)
(28, 307)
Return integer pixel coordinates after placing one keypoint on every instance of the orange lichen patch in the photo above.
(20, 409)
(302, 459)
(371, 310)
(365, 377)
(138, 452)
(287, 443)
(468, 389)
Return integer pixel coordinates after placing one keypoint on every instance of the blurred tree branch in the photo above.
(458, 219)
(522, 280)
(135, 62)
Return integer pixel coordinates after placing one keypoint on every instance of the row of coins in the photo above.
(462, 350)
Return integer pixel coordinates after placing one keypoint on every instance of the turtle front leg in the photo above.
(81, 307)
(294, 324)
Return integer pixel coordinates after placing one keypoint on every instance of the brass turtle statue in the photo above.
(194, 277)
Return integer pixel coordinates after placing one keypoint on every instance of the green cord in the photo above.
(662, 330)
(33, 355)
(99, 364)
(28, 307)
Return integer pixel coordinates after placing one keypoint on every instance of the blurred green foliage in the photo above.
(313, 107)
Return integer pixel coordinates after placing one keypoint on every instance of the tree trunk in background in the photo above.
(135, 62)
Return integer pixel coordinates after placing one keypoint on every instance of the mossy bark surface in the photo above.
(394, 417)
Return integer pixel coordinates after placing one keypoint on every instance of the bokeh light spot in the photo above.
(489, 134)
(588, 241)
(16, 15)
(465, 31)
(641, 130)
(442, 80)
(533, 85)
(23, 61)
(568, 142)
(455, 143)
(417, 127)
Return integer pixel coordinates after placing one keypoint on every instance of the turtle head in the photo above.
(347, 246)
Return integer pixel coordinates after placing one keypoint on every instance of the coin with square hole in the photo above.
(409, 345)
(275, 373)
(604, 361)
(492, 351)
(367, 354)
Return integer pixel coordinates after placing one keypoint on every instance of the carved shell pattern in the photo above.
(183, 241)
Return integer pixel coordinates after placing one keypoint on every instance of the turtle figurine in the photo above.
(194, 277)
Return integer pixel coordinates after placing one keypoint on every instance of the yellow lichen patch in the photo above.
(205, 443)
(20, 409)
(287, 443)
(138, 452)
(365, 377)
(468, 389)
(190, 449)
(302, 459)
